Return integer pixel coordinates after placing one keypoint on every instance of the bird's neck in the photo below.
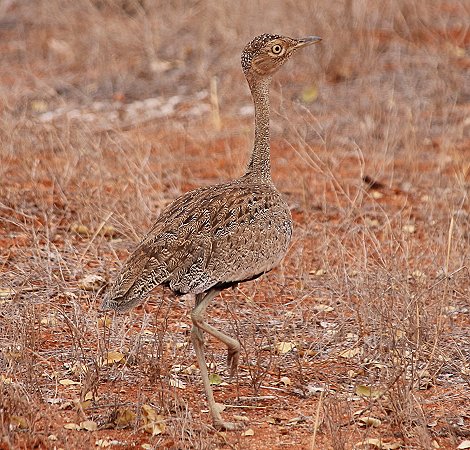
(259, 166)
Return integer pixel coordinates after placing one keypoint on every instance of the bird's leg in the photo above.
(197, 339)
(197, 315)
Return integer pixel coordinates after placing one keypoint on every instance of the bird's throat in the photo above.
(260, 162)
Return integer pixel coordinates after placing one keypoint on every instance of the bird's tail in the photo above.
(129, 288)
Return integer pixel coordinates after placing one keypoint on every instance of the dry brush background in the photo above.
(360, 339)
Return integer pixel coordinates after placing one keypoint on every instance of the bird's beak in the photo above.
(309, 40)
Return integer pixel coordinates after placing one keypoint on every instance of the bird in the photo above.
(218, 236)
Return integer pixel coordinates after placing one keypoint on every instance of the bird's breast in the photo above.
(253, 239)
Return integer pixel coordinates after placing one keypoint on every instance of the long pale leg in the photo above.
(197, 338)
(197, 316)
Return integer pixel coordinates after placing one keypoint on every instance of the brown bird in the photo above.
(217, 236)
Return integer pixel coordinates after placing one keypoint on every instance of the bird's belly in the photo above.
(251, 250)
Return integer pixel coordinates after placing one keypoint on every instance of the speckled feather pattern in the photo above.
(253, 48)
(219, 235)
(216, 235)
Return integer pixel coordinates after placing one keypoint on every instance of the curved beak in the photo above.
(309, 40)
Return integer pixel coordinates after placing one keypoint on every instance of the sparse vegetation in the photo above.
(110, 109)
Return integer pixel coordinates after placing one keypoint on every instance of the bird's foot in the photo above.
(221, 425)
(233, 355)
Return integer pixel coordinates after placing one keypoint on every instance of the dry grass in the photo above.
(375, 290)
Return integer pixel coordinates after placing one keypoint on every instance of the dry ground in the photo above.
(360, 339)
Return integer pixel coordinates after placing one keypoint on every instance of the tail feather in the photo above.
(138, 276)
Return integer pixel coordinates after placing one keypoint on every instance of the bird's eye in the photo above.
(276, 49)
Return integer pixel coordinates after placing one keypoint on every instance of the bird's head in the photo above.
(265, 54)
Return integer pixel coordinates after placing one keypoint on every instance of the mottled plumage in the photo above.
(212, 236)
(217, 236)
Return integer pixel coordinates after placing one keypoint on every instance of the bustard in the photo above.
(218, 236)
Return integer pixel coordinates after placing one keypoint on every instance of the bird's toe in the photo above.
(228, 426)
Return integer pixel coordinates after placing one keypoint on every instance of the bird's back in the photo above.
(216, 235)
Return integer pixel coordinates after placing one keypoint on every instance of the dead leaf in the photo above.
(308, 352)
(91, 282)
(409, 228)
(82, 405)
(6, 292)
(323, 308)
(14, 351)
(368, 391)
(418, 276)
(351, 353)
(80, 229)
(371, 223)
(378, 443)
(370, 421)
(50, 321)
(376, 194)
(112, 358)
(149, 413)
(285, 347)
(125, 417)
(320, 272)
(89, 425)
(215, 379)
(67, 382)
(5, 380)
(463, 445)
(72, 426)
(154, 423)
(19, 422)
(249, 432)
(241, 418)
(155, 428)
(285, 381)
(104, 322)
(108, 231)
(392, 445)
(107, 443)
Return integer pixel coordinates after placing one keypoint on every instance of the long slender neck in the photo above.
(260, 163)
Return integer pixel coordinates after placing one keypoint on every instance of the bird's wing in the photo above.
(170, 246)
(215, 235)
